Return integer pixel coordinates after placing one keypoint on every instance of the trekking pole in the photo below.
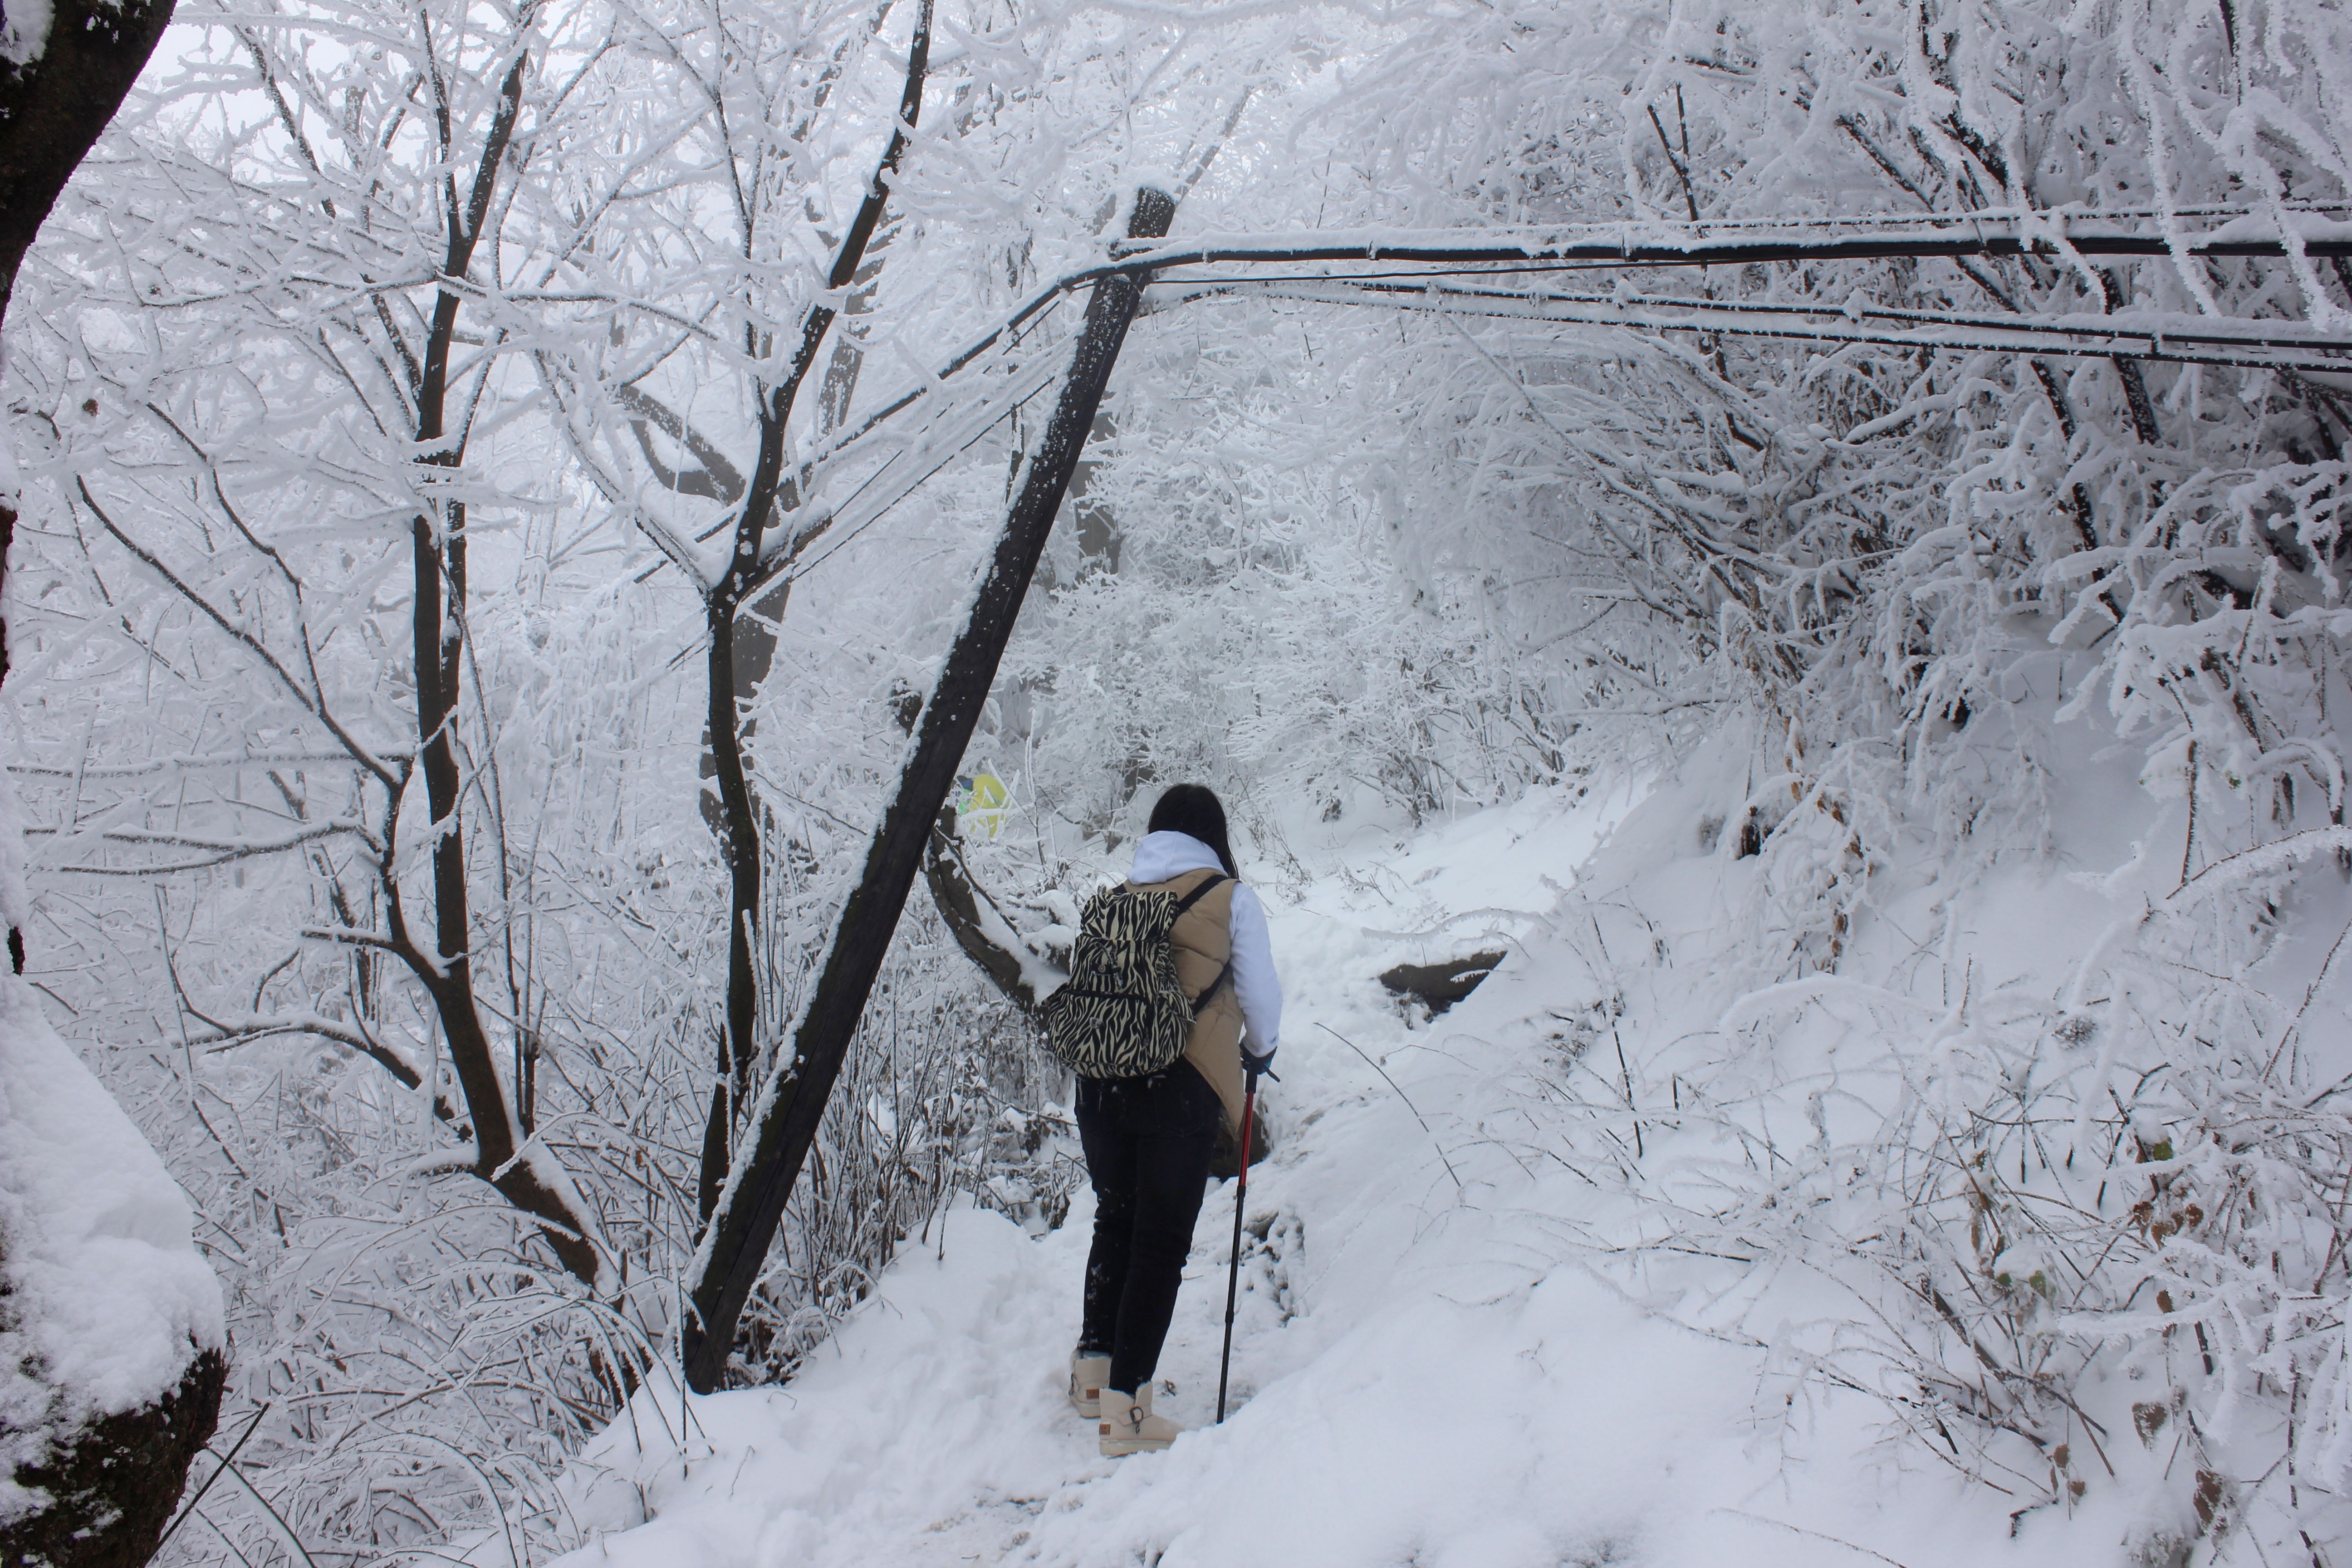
(1233, 1271)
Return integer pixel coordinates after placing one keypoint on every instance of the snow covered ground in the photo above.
(1442, 1358)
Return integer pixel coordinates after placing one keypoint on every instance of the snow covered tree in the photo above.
(324, 743)
(110, 1347)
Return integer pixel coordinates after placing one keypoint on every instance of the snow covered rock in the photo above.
(1440, 986)
(111, 1323)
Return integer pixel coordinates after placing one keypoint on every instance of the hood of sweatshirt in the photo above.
(1164, 855)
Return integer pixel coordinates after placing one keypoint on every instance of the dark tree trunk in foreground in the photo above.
(54, 107)
(116, 1486)
(752, 1205)
(112, 1488)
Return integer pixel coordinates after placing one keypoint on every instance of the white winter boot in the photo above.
(1087, 1374)
(1129, 1427)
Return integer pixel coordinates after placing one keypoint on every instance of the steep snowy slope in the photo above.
(1475, 1328)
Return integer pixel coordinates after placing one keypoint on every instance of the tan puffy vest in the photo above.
(1203, 938)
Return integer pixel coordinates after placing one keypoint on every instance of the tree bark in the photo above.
(959, 900)
(445, 968)
(116, 1486)
(2136, 398)
(752, 1205)
(53, 107)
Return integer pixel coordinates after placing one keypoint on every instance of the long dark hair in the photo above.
(1195, 810)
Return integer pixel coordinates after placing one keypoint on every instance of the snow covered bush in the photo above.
(2058, 1183)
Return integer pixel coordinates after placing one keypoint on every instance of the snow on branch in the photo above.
(218, 851)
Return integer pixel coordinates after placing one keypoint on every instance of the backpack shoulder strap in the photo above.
(1206, 885)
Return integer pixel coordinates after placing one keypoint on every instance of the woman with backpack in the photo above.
(1147, 1135)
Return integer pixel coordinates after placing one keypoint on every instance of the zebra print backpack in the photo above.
(1123, 1012)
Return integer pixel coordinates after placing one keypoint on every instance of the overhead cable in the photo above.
(2302, 355)
(2049, 235)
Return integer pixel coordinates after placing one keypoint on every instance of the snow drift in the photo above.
(104, 1298)
(1659, 1248)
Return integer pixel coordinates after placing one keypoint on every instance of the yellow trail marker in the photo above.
(985, 800)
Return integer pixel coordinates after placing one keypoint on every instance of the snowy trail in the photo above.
(1420, 1376)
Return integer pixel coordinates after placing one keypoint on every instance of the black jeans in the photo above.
(1147, 1141)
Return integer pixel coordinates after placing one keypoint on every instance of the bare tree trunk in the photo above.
(753, 1204)
(2136, 398)
(739, 826)
(446, 968)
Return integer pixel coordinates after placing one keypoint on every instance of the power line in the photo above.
(1047, 301)
(2196, 329)
(2051, 236)
(1438, 254)
(973, 439)
(1957, 334)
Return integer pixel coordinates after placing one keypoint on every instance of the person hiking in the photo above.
(1148, 1137)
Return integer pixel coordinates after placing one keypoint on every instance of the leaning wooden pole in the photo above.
(751, 1205)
